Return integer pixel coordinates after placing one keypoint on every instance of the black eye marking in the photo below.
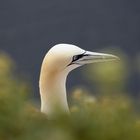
(77, 57)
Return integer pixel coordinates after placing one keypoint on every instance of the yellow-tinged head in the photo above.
(68, 57)
(58, 62)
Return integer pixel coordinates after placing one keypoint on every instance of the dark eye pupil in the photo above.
(76, 57)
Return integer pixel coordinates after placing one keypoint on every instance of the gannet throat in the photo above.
(58, 62)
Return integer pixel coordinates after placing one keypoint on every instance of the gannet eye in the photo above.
(76, 57)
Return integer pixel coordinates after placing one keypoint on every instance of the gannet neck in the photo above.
(58, 62)
(53, 90)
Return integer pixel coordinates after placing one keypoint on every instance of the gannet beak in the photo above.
(92, 57)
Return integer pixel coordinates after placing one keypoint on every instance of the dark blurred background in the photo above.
(29, 28)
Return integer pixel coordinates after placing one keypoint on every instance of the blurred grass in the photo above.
(109, 77)
(111, 116)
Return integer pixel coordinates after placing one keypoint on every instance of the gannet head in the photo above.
(58, 62)
(68, 57)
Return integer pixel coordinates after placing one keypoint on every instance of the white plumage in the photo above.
(58, 62)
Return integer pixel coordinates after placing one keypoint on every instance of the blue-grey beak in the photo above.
(92, 57)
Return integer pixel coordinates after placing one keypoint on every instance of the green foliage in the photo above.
(110, 117)
(12, 99)
(109, 77)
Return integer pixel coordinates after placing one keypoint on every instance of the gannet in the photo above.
(58, 62)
